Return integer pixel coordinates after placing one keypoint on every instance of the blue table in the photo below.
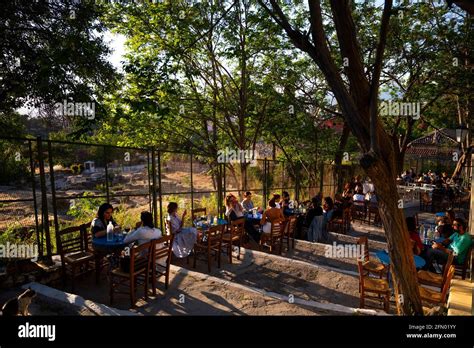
(383, 256)
(102, 244)
(254, 219)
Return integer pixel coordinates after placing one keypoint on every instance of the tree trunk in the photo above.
(339, 156)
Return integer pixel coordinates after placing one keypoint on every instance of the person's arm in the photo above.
(264, 218)
(133, 236)
(97, 229)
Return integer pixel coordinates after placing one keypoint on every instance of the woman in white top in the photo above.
(144, 230)
(184, 237)
(234, 208)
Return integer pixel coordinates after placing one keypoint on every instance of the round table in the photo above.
(254, 219)
(383, 256)
(102, 244)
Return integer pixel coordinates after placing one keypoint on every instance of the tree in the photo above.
(359, 105)
(51, 51)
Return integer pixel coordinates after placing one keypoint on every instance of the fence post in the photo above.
(160, 193)
(44, 201)
(35, 203)
(106, 175)
(264, 182)
(153, 186)
(192, 186)
(219, 189)
(53, 190)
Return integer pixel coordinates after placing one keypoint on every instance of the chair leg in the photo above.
(73, 276)
(387, 302)
(230, 253)
(132, 292)
(238, 255)
(111, 290)
(167, 277)
(153, 279)
(362, 300)
(209, 260)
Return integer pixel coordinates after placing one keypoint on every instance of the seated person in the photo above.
(359, 197)
(445, 231)
(414, 236)
(286, 203)
(277, 199)
(459, 243)
(271, 215)
(247, 203)
(144, 230)
(314, 210)
(184, 237)
(234, 211)
(104, 216)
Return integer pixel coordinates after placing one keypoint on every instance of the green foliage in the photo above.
(85, 207)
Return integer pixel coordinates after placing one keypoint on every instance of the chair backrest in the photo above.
(196, 211)
(364, 242)
(467, 258)
(360, 268)
(448, 264)
(72, 239)
(163, 247)
(214, 235)
(291, 225)
(447, 283)
(237, 227)
(277, 229)
(141, 257)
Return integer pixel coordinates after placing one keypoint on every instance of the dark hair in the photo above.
(147, 219)
(285, 194)
(172, 207)
(276, 196)
(411, 224)
(102, 209)
(461, 222)
(272, 203)
(329, 202)
(450, 214)
(228, 199)
(248, 193)
(316, 200)
(445, 230)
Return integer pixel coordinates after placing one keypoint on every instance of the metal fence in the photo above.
(46, 185)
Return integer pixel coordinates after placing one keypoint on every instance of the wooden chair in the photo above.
(373, 214)
(462, 269)
(359, 212)
(141, 258)
(274, 238)
(369, 286)
(233, 236)
(436, 297)
(213, 243)
(371, 266)
(74, 252)
(289, 232)
(162, 249)
(425, 202)
(435, 279)
(200, 211)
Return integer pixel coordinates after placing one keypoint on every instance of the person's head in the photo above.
(276, 197)
(359, 190)
(272, 203)
(459, 225)
(105, 212)
(328, 204)
(172, 207)
(316, 201)
(411, 224)
(358, 178)
(147, 219)
(248, 195)
(285, 195)
(347, 186)
(450, 215)
(445, 230)
(229, 200)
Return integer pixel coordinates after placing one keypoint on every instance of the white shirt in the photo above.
(142, 234)
(357, 198)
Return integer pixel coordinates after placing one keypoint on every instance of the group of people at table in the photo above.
(279, 207)
(450, 237)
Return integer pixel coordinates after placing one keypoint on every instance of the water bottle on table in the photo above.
(110, 232)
